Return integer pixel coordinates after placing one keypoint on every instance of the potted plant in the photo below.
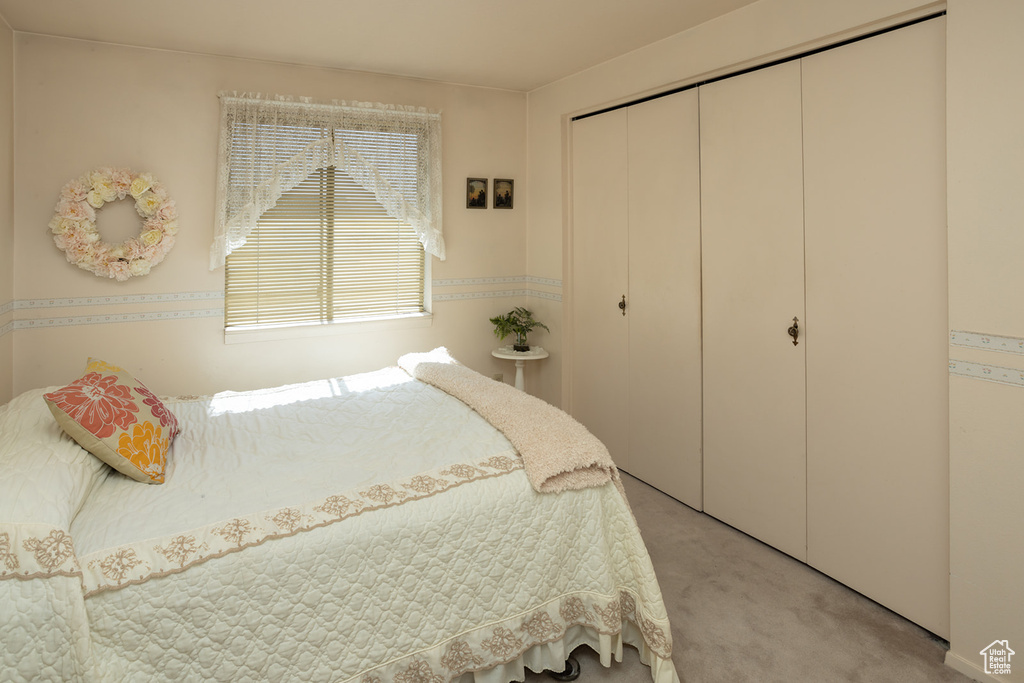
(518, 322)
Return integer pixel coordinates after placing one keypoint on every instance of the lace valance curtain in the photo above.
(268, 145)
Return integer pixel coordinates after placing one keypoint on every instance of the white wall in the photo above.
(986, 247)
(985, 153)
(79, 105)
(6, 209)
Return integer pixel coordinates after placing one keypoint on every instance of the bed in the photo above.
(373, 528)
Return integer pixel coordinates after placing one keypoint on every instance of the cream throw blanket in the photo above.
(558, 452)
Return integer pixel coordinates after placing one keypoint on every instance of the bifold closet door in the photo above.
(600, 249)
(635, 369)
(877, 373)
(753, 267)
(663, 310)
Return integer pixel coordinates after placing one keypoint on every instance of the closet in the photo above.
(822, 199)
(636, 289)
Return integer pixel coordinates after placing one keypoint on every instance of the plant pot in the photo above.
(520, 347)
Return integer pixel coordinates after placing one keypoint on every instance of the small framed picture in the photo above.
(476, 193)
(504, 193)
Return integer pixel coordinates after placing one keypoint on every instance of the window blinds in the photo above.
(327, 252)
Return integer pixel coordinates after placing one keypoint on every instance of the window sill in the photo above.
(256, 334)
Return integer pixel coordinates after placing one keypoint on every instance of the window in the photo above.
(325, 212)
(327, 252)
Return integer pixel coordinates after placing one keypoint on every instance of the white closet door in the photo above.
(664, 296)
(877, 374)
(600, 279)
(753, 264)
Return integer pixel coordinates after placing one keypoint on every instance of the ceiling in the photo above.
(512, 44)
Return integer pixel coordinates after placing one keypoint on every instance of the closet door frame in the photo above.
(940, 610)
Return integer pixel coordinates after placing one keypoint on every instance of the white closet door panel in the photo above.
(664, 296)
(600, 279)
(752, 244)
(877, 387)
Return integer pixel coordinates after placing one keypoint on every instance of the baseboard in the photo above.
(968, 668)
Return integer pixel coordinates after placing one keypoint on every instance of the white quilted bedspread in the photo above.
(368, 529)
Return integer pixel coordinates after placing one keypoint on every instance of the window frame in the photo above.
(336, 149)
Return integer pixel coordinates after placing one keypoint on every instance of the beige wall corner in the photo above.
(985, 143)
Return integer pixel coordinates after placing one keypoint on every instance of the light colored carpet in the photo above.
(742, 611)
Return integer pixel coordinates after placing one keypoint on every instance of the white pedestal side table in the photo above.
(520, 357)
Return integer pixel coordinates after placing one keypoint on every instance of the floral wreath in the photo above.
(74, 223)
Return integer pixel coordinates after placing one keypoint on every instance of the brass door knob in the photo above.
(794, 331)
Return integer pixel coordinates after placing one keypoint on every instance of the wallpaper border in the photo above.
(987, 342)
(218, 296)
(987, 373)
(26, 304)
(68, 321)
(496, 294)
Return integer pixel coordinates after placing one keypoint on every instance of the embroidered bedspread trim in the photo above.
(503, 642)
(33, 551)
(136, 563)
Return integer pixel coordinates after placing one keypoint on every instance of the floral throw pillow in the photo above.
(116, 418)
